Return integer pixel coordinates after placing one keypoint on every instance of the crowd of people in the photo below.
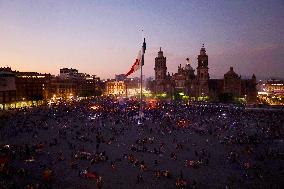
(107, 143)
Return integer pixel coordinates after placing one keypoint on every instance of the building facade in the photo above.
(66, 73)
(22, 89)
(32, 85)
(7, 87)
(83, 85)
(271, 92)
(116, 88)
(162, 82)
(202, 73)
(199, 85)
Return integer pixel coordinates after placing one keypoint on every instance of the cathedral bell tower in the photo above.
(160, 72)
(202, 73)
(160, 66)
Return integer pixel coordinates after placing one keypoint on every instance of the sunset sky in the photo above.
(103, 37)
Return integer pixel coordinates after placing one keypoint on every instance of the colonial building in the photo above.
(202, 73)
(29, 85)
(32, 85)
(271, 92)
(116, 88)
(272, 87)
(35, 87)
(66, 73)
(7, 87)
(185, 80)
(83, 85)
(200, 85)
(62, 88)
(163, 82)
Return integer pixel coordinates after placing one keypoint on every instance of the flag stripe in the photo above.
(136, 65)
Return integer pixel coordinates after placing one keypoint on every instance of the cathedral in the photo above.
(200, 86)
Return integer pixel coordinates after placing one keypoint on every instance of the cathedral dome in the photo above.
(231, 73)
(188, 66)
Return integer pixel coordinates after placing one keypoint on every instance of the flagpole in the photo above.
(141, 72)
(141, 77)
(141, 108)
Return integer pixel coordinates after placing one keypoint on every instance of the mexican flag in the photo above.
(136, 65)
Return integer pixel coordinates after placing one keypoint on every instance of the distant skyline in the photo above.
(104, 37)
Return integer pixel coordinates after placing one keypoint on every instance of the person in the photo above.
(47, 173)
(99, 182)
(139, 178)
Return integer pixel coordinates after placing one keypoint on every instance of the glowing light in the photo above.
(262, 93)
(95, 107)
(183, 123)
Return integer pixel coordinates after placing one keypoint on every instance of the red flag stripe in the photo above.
(134, 67)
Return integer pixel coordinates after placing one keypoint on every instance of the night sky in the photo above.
(103, 37)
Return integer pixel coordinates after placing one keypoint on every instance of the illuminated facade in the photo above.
(271, 92)
(83, 85)
(29, 85)
(200, 86)
(62, 88)
(23, 89)
(116, 88)
(272, 86)
(125, 87)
